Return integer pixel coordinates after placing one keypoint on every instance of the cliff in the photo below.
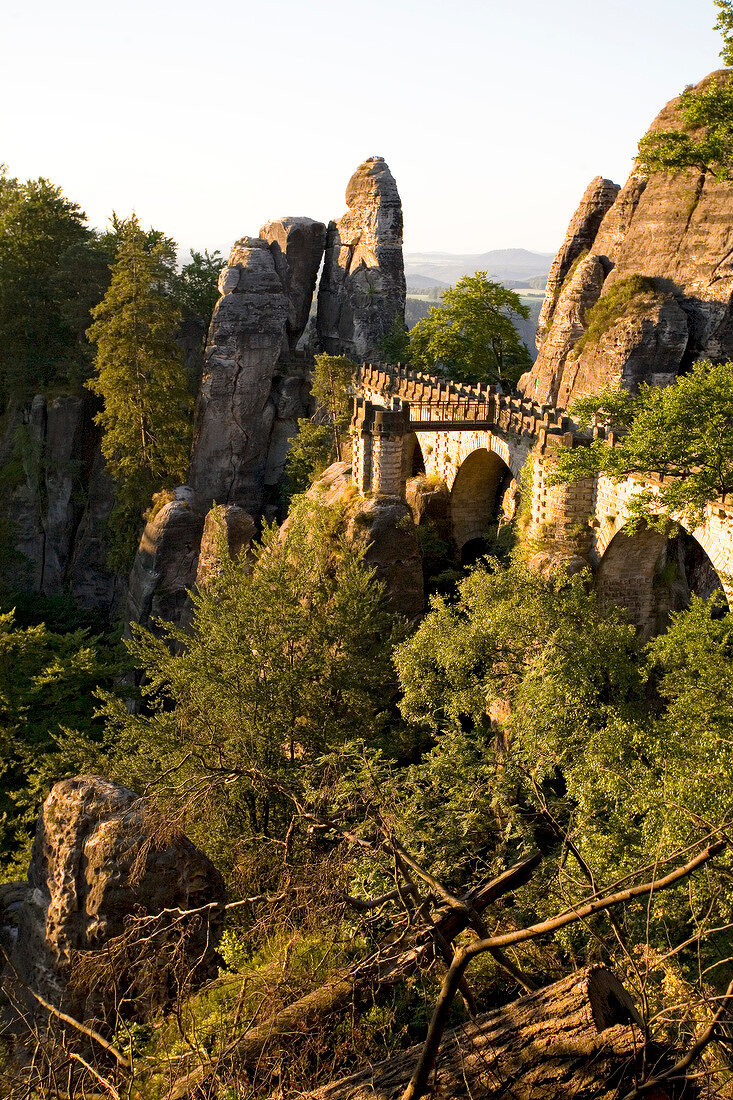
(642, 284)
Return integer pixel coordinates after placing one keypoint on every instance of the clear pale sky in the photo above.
(209, 119)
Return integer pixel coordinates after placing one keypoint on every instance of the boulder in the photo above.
(362, 287)
(165, 563)
(105, 873)
(598, 198)
(384, 528)
(234, 411)
(228, 522)
(300, 242)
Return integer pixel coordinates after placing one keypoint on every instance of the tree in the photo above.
(724, 24)
(684, 431)
(52, 271)
(197, 284)
(704, 138)
(46, 712)
(332, 385)
(472, 337)
(281, 664)
(139, 376)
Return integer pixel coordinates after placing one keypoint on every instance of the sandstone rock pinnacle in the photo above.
(362, 288)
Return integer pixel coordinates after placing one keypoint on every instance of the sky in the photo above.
(210, 119)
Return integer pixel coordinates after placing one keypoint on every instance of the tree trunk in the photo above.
(575, 1040)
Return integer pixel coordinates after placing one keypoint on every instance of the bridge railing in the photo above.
(464, 409)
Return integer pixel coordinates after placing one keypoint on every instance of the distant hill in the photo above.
(515, 265)
(423, 282)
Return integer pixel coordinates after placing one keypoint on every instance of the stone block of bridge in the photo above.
(378, 436)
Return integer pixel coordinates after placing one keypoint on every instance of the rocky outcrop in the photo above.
(297, 246)
(674, 229)
(645, 344)
(56, 500)
(105, 882)
(166, 561)
(234, 411)
(579, 295)
(384, 528)
(224, 522)
(362, 288)
(599, 196)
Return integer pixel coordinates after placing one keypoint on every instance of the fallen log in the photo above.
(387, 968)
(579, 1039)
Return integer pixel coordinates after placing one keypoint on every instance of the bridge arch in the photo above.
(476, 497)
(651, 573)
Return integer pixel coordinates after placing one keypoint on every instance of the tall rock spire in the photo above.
(362, 288)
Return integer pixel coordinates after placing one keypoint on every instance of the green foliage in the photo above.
(395, 346)
(46, 708)
(196, 286)
(332, 385)
(52, 271)
(684, 431)
(551, 722)
(724, 24)
(472, 337)
(704, 139)
(627, 295)
(139, 376)
(280, 665)
(309, 455)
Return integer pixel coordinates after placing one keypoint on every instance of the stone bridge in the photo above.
(490, 449)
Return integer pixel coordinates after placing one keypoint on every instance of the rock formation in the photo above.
(599, 196)
(166, 561)
(101, 864)
(230, 523)
(673, 231)
(56, 499)
(234, 411)
(362, 288)
(384, 528)
(300, 243)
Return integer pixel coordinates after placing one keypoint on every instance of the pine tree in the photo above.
(139, 376)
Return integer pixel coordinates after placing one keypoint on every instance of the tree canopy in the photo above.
(683, 431)
(139, 375)
(53, 269)
(472, 337)
(704, 138)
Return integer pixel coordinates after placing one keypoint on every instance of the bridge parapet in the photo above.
(434, 401)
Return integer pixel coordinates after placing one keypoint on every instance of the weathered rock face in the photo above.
(236, 527)
(362, 288)
(599, 196)
(234, 411)
(384, 526)
(578, 296)
(300, 242)
(166, 561)
(675, 228)
(97, 865)
(56, 499)
(646, 344)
